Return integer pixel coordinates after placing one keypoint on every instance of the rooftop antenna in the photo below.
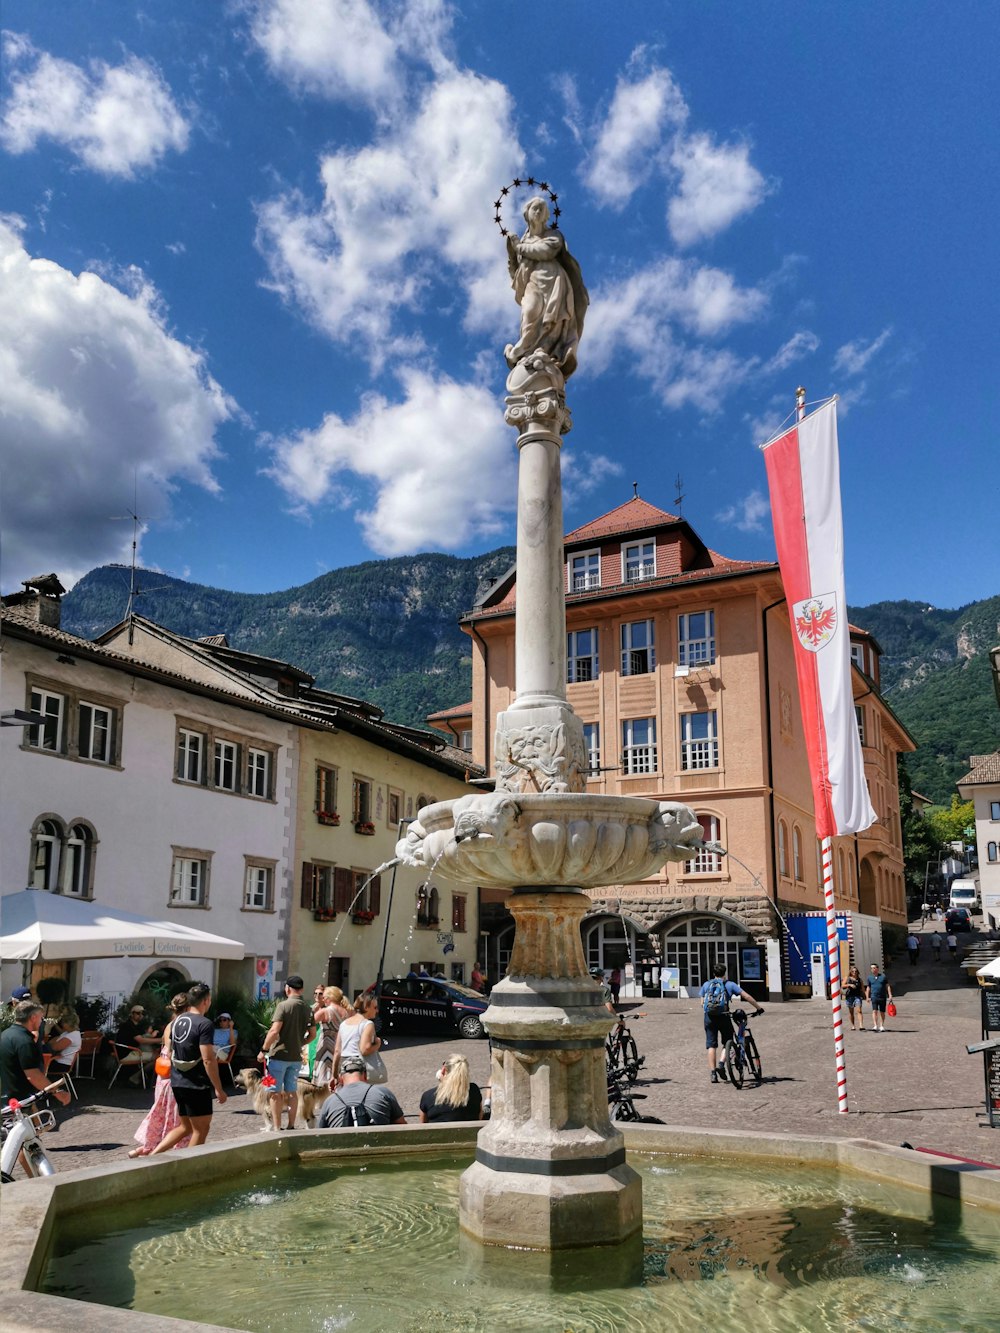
(635, 490)
(679, 497)
(133, 591)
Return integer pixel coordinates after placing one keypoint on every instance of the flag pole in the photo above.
(832, 939)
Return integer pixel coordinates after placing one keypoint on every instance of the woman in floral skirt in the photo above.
(162, 1115)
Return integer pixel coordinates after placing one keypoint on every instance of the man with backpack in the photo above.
(716, 994)
(358, 1103)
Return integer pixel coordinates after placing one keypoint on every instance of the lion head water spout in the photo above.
(550, 1170)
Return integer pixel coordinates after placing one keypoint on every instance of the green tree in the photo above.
(950, 825)
(921, 842)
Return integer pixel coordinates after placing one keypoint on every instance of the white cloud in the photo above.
(349, 50)
(746, 514)
(92, 386)
(627, 144)
(441, 460)
(644, 321)
(395, 227)
(115, 119)
(584, 473)
(717, 185)
(800, 344)
(854, 356)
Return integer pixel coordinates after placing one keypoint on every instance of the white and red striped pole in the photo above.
(833, 955)
(832, 938)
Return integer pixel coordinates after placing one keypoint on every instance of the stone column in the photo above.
(550, 1170)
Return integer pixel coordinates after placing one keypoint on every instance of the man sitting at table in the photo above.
(135, 1032)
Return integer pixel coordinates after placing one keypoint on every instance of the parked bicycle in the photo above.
(741, 1052)
(621, 1051)
(621, 1101)
(20, 1135)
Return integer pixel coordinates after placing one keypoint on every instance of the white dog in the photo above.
(311, 1096)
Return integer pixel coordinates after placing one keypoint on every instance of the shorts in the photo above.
(854, 1001)
(193, 1102)
(878, 1006)
(716, 1028)
(285, 1074)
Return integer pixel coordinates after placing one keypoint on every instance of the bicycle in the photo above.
(621, 1102)
(742, 1053)
(20, 1136)
(620, 1050)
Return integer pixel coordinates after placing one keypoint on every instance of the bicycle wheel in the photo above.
(753, 1059)
(734, 1064)
(611, 1054)
(630, 1057)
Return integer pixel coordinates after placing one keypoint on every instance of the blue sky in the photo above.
(249, 259)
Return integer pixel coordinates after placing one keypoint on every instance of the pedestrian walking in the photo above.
(925, 911)
(615, 982)
(913, 948)
(163, 1115)
(936, 946)
(879, 994)
(292, 1027)
(194, 1072)
(952, 944)
(854, 997)
(716, 994)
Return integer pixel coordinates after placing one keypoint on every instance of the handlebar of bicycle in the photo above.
(17, 1103)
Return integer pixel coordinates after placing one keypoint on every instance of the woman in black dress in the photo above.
(456, 1097)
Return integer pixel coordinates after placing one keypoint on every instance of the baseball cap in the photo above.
(137, 1009)
(223, 1015)
(354, 1064)
(295, 981)
(21, 993)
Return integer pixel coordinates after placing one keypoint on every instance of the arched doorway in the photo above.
(695, 944)
(164, 982)
(613, 942)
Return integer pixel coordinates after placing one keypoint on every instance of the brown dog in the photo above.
(311, 1096)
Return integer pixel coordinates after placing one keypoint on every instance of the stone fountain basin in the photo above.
(32, 1208)
(550, 839)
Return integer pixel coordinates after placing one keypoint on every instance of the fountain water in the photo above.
(550, 1170)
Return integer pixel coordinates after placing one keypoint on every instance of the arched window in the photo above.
(797, 854)
(991, 851)
(78, 861)
(707, 863)
(782, 848)
(46, 845)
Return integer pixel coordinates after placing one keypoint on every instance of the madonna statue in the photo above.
(549, 289)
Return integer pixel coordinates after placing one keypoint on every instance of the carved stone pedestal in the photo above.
(550, 1170)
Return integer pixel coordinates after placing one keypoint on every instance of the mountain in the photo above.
(936, 677)
(385, 631)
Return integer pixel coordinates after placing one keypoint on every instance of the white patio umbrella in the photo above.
(36, 924)
(990, 970)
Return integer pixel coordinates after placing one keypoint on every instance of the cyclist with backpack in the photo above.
(716, 994)
(356, 1102)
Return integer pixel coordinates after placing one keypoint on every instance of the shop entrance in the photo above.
(694, 946)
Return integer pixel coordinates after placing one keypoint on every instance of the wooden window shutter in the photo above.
(375, 895)
(307, 885)
(343, 888)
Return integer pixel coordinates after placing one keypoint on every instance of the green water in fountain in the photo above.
(373, 1245)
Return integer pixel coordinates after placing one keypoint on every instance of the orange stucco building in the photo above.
(680, 666)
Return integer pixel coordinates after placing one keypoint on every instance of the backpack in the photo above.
(358, 1116)
(716, 998)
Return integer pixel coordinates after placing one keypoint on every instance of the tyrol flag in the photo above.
(803, 475)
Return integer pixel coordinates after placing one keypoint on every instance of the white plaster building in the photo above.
(981, 785)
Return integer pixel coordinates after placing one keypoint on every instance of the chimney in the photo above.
(42, 597)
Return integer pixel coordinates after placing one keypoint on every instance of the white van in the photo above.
(964, 894)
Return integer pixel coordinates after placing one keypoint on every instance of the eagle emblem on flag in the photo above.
(815, 620)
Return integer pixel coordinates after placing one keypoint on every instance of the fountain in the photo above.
(550, 1170)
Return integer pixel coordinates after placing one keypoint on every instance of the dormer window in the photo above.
(585, 571)
(639, 561)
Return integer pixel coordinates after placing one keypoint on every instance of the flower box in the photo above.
(324, 914)
(363, 918)
(366, 827)
(328, 817)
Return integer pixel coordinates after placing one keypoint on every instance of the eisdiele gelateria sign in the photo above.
(161, 948)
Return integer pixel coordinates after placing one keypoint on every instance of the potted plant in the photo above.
(365, 826)
(328, 817)
(363, 917)
(324, 914)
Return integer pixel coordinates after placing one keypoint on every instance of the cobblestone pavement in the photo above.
(914, 1082)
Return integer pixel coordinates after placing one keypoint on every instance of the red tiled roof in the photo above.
(633, 515)
(459, 710)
